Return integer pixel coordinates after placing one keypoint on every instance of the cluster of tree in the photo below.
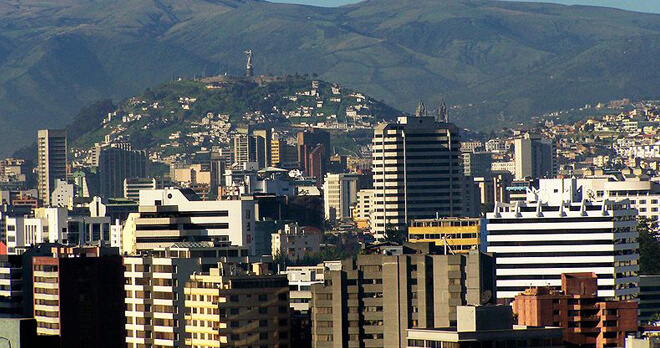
(649, 246)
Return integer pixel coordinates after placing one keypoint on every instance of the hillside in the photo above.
(496, 63)
(185, 116)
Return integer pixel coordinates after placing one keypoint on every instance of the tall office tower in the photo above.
(417, 172)
(79, 295)
(308, 141)
(264, 141)
(117, 164)
(178, 215)
(217, 170)
(375, 298)
(51, 148)
(157, 277)
(226, 308)
(317, 163)
(249, 148)
(535, 157)
(339, 195)
(556, 231)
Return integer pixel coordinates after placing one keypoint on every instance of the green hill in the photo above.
(202, 113)
(490, 60)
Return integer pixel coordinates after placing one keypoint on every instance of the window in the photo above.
(233, 298)
(263, 310)
(284, 322)
(263, 323)
(263, 297)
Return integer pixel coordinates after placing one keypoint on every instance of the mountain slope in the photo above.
(490, 59)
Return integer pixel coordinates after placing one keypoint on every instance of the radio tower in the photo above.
(248, 73)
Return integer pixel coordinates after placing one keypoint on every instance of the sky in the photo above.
(652, 6)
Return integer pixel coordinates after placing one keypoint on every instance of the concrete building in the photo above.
(224, 308)
(363, 208)
(375, 298)
(118, 164)
(301, 279)
(649, 297)
(556, 232)
(452, 235)
(586, 319)
(155, 289)
(339, 195)
(177, 215)
(417, 172)
(51, 160)
(487, 326)
(45, 225)
(535, 157)
(62, 195)
(78, 295)
(295, 242)
(132, 187)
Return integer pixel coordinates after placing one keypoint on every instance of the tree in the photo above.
(649, 246)
(395, 234)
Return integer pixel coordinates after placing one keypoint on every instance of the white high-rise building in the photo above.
(339, 195)
(557, 230)
(178, 215)
(417, 172)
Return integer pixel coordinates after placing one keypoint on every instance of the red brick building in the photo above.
(587, 320)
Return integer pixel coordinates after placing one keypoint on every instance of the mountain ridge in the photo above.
(498, 60)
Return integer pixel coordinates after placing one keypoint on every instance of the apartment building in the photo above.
(294, 242)
(339, 195)
(556, 231)
(78, 295)
(169, 216)
(155, 288)
(227, 308)
(375, 298)
(301, 279)
(452, 235)
(535, 156)
(587, 320)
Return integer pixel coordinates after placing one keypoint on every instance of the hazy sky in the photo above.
(632, 5)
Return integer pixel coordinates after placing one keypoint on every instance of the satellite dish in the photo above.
(486, 296)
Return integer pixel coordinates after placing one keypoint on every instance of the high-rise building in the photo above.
(264, 141)
(557, 231)
(52, 160)
(155, 289)
(117, 164)
(308, 141)
(225, 307)
(587, 320)
(339, 195)
(535, 157)
(477, 164)
(78, 295)
(375, 298)
(178, 215)
(417, 172)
